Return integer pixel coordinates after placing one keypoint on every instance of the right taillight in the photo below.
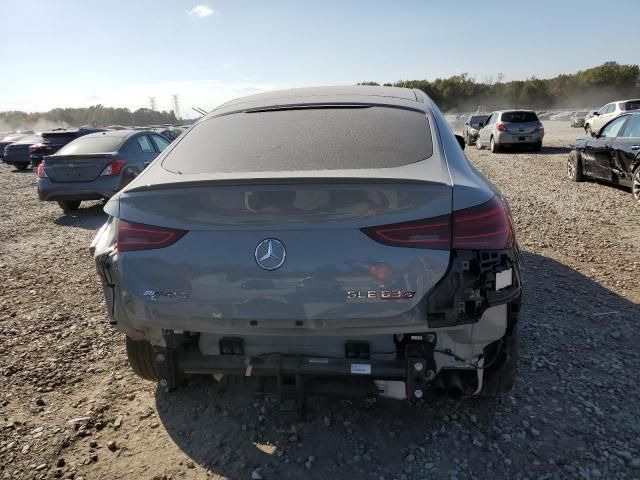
(40, 171)
(139, 236)
(486, 226)
(114, 168)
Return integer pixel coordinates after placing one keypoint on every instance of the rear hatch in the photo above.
(76, 168)
(520, 122)
(339, 269)
(332, 270)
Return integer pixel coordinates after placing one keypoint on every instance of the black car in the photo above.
(612, 155)
(54, 140)
(11, 138)
(472, 127)
(18, 154)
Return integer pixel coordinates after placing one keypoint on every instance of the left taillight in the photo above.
(40, 171)
(501, 127)
(114, 168)
(139, 236)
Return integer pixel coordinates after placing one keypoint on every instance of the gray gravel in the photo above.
(65, 383)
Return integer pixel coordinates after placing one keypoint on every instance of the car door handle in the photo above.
(635, 147)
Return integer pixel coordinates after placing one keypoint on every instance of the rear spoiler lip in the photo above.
(282, 181)
(54, 158)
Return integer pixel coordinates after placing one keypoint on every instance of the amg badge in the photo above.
(382, 294)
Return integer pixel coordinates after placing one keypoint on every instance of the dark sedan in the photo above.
(613, 155)
(54, 140)
(18, 154)
(9, 139)
(96, 166)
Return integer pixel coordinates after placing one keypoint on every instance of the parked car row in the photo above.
(23, 149)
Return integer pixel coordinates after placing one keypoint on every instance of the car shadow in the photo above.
(18, 170)
(555, 150)
(233, 431)
(89, 218)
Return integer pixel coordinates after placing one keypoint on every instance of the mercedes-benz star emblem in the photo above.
(270, 254)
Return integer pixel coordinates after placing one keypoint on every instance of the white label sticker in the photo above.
(361, 369)
(504, 279)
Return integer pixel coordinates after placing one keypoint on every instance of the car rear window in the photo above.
(632, 105)
(303, 139)
(519, 117)
(478, 119)
(101, 144)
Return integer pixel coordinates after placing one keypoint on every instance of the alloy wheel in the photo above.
(635, 185)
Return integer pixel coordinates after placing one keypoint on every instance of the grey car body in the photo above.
(306, 233)
(96, 166)
(511, 128)
(18, 153)
(471, 128)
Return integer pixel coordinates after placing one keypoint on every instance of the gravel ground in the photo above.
(71, 408)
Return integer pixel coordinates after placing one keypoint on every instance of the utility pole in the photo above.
(176, 105)
(152, 103)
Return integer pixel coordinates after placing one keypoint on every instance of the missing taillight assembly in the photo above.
(114, 168)
(138, 236)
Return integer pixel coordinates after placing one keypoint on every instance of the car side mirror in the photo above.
(460, 141)
(595, 113)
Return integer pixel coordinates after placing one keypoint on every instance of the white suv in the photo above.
(610, 111)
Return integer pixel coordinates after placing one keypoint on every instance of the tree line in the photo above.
(94, 116)
(592, 87)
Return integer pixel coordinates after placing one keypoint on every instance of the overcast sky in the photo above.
(120, 52)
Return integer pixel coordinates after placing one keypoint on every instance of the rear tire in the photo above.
(22, 166)
(69, 206)
(142, 359)
(500, 380)
(493, 146)
(574, 167)
(537, 147)
(479, 144)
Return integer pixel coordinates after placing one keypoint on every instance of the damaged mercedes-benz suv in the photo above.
(321, 240)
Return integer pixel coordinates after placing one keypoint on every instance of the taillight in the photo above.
(486, 226)
(113, 168)
(430, 233)
(40, 172)
(501, 127)
(138, 236)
